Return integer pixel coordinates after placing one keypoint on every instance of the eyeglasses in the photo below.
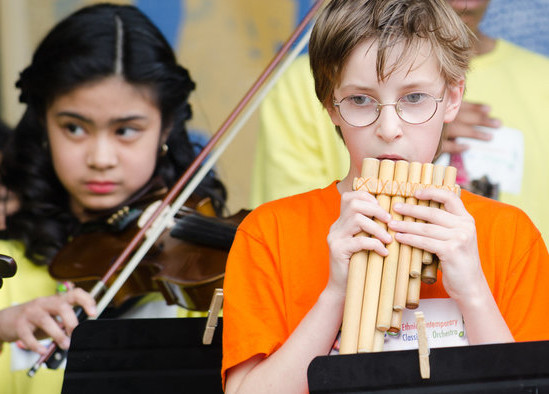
(361, 110)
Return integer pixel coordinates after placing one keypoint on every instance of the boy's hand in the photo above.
(469, 116)
(450, 234)
(358, 208)
(43, 317)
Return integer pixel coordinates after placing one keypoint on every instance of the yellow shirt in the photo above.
(30, 282)
(299, 149)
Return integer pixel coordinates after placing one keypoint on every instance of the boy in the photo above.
(285, 285)
(506, 96)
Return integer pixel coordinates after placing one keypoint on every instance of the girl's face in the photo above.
(104, 139)
(389, 137)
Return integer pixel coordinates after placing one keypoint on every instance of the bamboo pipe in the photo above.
(417, 254)
(430, 262)
(355, 282)
(373, 273)
(390, 263)
(438, 176)
(404, 259)
(448, 175)
(414, 283)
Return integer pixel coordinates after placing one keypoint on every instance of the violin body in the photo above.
(185, 264)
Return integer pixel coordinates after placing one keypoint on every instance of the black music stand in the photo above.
(501, 368)
(143, 356)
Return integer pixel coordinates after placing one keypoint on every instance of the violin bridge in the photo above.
(148, 213)
(213, 315)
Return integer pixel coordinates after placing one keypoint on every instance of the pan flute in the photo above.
(379, 288)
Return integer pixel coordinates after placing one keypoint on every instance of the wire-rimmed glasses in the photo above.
(361, 110)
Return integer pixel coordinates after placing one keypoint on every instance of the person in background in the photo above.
(8, 201)
(5, 132)
(105, 120)
(390, 74)
(498, 140)
(522, 22)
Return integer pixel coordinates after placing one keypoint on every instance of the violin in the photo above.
(186, 263)
(8, 267)
(138, 247)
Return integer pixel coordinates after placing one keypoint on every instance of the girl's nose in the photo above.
(101, 153)
(388, 124)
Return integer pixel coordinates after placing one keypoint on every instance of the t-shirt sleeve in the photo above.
(523, 298)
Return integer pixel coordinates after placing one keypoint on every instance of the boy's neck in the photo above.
(346, 184)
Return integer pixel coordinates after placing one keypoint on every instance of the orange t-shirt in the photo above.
(278, 266)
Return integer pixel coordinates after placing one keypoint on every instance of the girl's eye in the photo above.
(74, 129)
(414, 98)
(127, 132)
(361, 100)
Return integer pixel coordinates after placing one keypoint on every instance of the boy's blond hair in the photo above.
(343, 24)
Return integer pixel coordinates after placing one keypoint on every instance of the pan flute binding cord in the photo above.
(379, 288)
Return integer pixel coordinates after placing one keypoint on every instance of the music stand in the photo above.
(499, 368)
(143, 356)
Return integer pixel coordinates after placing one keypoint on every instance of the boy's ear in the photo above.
(455, 95)
(334, 114)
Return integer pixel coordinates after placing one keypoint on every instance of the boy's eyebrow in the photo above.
(418, 84)
(412, 85)
(89, 121)
(356, 86)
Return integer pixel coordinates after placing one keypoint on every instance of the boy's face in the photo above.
(390, 137)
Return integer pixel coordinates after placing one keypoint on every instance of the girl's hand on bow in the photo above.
(44, 317)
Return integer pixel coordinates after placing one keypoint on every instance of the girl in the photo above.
(106, 111)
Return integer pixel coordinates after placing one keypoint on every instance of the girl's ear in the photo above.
(164, 134)
(455, 95)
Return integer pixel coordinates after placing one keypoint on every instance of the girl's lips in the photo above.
(100, 187)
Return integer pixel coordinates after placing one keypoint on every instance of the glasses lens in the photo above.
(416, 107)
(359, 110)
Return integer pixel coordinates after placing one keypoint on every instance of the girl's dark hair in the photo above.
(93, 43)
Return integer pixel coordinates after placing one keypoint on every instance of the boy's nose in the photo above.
(388, 124)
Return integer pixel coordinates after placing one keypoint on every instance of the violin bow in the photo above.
(178, 194)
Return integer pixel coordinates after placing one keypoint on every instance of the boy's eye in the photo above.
(361, 100)
(414, 98)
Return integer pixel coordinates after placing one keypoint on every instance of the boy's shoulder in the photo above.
(325, 201)
(490, 214)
